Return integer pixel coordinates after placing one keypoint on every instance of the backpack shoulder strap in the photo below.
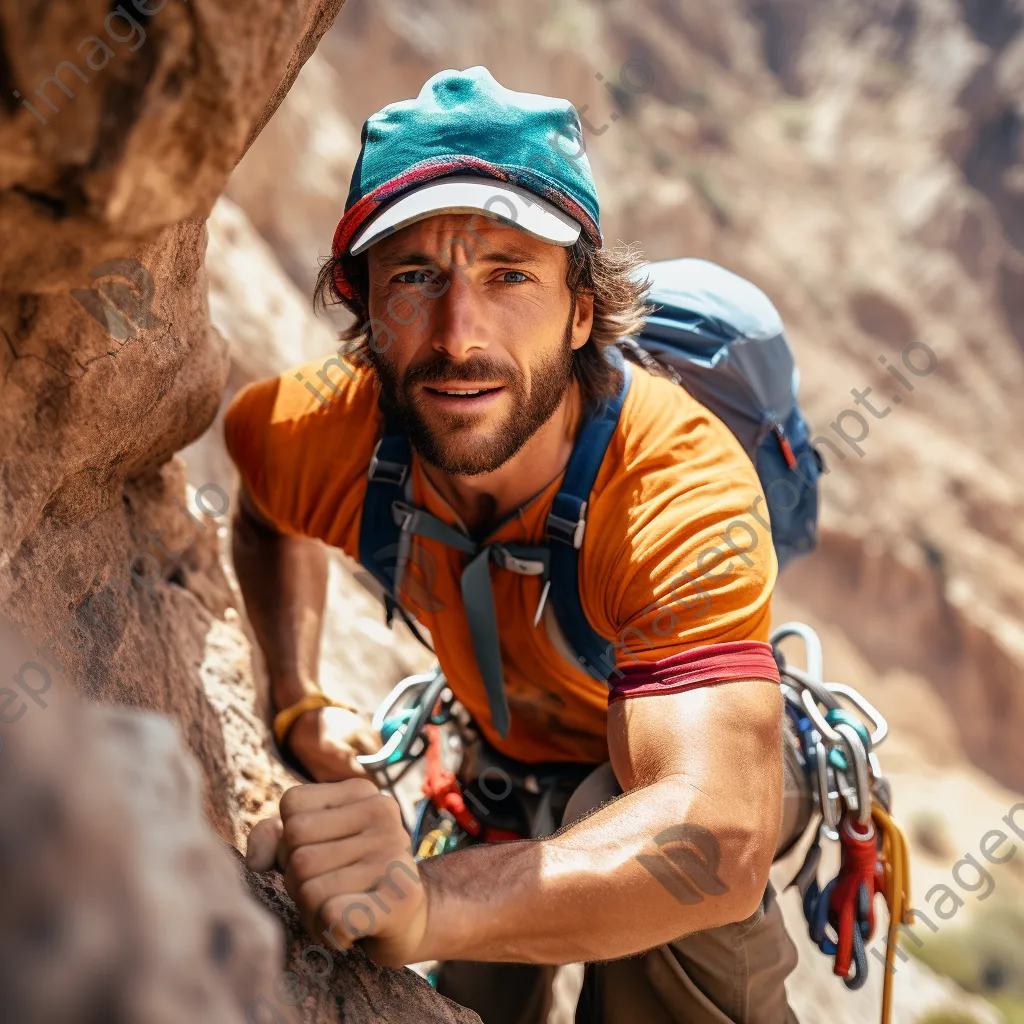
(379, 532)
(567, 523)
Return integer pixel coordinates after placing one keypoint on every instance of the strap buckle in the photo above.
(566, 530)
(523, 566)
(382, 471)
(404, 515)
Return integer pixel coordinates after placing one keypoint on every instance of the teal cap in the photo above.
(515, 156)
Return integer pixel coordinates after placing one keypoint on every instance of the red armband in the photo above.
(702, 666)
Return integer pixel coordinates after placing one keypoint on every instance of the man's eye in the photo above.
(404, 277)
(504, 275)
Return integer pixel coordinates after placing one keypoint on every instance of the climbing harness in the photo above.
(851, 798)
(451, 815)
(836, 731)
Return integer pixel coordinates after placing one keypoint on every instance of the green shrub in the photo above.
(794, 119)
(985, 957)
(1011, 1007)
(948, 1017)
(928, 832)
(713, 195)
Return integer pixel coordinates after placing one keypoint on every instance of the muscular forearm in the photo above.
(284, 583)
(688, 847)
(657, 863)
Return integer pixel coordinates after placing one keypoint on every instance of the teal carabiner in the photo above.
(837, 716)
(391, 725)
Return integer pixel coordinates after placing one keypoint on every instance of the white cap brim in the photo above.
(472, 194)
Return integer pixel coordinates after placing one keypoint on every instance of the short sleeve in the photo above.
(684, 561)
(302, 443)
(245, 424)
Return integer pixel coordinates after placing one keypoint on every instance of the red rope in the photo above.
(859, 864)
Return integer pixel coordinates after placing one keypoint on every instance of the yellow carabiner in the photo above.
(433, 842)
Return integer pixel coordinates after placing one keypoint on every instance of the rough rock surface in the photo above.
(109, 563)
(119, 902)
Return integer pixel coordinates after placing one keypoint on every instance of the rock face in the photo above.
(860, 160)
(106, 563)
(118, 129)
(119, 903)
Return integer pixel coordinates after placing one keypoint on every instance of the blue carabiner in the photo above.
(860, 934)
(816, 912)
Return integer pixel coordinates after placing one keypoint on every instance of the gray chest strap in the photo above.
(477, 595)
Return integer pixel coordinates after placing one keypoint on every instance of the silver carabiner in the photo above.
(826, 730)
(807, 682)
(398, 691)
(829, 805)
(812, 645)
(857, 758)
(418, 693)
(865, 708)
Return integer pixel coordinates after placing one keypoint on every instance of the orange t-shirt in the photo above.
(676, 554)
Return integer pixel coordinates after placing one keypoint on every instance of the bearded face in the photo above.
(471, 417)
(487, 357)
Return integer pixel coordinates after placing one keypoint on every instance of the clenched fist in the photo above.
(348, 864)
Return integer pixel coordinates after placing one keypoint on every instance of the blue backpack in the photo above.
(719, 337)
(725, 343)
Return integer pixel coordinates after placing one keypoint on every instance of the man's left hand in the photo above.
(348, 864)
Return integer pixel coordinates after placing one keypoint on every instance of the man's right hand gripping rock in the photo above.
(348, 864)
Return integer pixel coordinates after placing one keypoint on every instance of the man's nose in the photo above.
(458, 329)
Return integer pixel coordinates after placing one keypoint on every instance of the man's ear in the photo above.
(583, 321)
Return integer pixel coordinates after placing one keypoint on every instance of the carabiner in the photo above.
(812, 645)
(858, 758)
(416, 694)
(865, 708)
(826, 730)
(829, 805)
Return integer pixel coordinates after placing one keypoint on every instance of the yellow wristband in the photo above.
(285, 718)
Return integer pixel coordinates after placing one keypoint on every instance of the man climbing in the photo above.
(488, 308)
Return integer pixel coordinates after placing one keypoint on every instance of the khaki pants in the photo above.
(729, 975)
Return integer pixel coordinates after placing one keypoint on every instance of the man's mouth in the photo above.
(460, 393)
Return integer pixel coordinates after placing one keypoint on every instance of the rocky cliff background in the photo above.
(861, 160)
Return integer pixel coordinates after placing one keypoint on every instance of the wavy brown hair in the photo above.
(608, 273)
